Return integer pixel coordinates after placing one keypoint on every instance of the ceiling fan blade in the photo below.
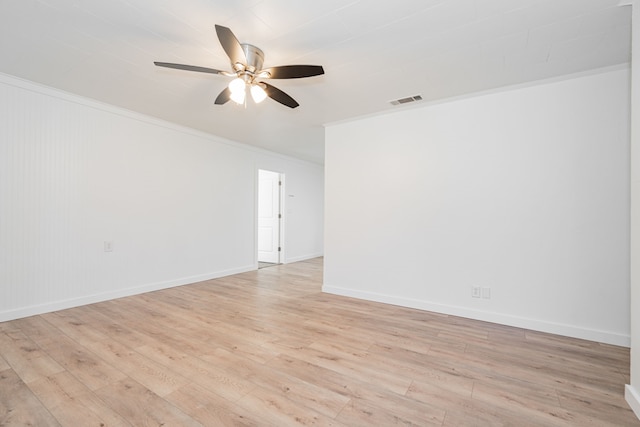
(188, 67)
(224, 96)
(294, 71)
(278, 95)
(231, 45)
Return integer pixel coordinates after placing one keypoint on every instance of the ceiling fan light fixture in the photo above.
(246, 65)
(257, 93)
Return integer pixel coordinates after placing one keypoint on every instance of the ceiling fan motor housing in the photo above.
(254, 56)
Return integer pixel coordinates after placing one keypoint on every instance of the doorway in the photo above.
(269, 218)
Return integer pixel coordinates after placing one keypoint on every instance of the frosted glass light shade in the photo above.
(237, 85)
(237, 96)
(237, 88)
(257, 93)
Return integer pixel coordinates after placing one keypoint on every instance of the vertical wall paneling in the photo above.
(177, 205)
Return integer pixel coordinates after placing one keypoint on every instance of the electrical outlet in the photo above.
(476, 291)
(486, 293)
(108, 246)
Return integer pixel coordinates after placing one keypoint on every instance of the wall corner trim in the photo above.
(632, 396)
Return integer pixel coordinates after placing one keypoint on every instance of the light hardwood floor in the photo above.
(267, 348)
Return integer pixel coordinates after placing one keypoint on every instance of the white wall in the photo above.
(632, 391)
(178, 205)
(524, 191)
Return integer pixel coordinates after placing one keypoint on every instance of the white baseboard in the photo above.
(632, 397)
(302, 258)
(503, 319)
(33, 310)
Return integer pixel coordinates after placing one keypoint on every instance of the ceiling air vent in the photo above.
(406, 100)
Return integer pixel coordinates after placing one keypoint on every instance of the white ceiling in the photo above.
(373, 51)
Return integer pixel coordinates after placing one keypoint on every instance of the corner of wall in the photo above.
(632, 397)
(632, 392)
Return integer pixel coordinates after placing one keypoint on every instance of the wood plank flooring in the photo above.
(268, 348)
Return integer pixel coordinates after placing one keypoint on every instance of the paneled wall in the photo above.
(174, 205)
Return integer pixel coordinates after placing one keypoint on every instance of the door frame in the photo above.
(282, 222)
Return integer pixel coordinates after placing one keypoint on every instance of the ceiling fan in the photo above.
(246, 63)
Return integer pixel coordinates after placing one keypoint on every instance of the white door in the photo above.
(268, 216)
